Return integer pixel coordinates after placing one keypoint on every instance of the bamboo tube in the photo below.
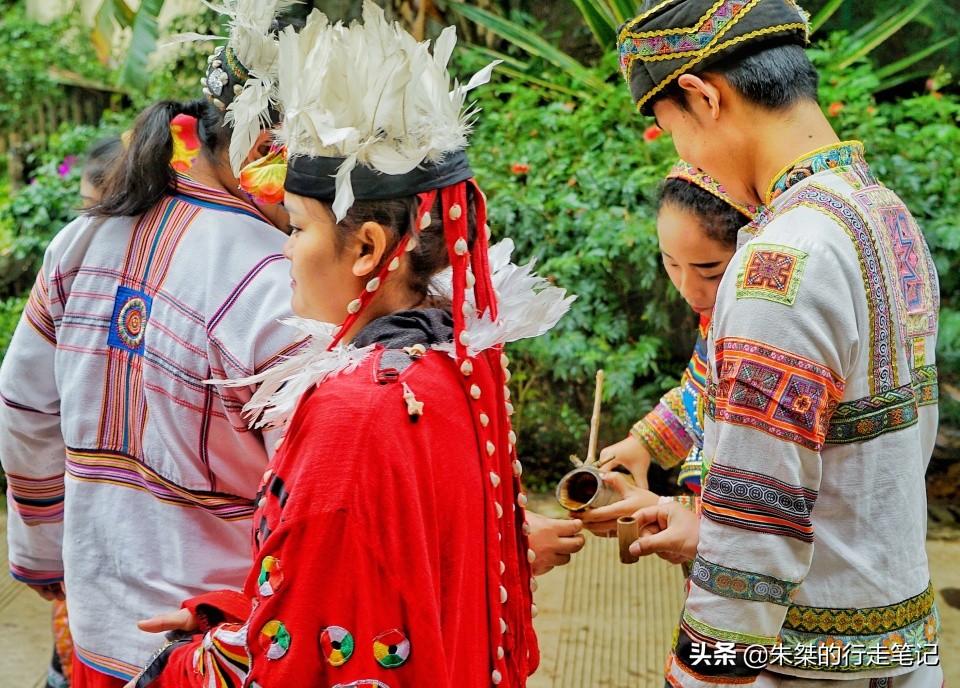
(628, 530)
(595, 421)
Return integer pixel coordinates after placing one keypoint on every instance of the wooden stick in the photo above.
(595, 421)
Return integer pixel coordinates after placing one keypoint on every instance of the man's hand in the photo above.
(553, 541)
(49, 591)
(602, 521)
(630, 453)
(670, 530)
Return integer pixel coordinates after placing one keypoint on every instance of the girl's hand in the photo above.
(602, 521)
(180, 620)
(630, 453)
(49, 591)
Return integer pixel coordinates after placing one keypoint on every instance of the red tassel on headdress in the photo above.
(509, 572)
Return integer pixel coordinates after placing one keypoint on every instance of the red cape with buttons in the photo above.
(389, 550)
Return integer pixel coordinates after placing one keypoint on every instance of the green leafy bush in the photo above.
(51, 200)
(29, 50)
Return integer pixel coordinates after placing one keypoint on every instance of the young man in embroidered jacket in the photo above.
(821, 374)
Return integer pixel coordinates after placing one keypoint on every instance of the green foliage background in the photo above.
(573, 180)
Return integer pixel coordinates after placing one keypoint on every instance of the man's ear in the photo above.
(260, 147)
(703, 94)
(371, 244)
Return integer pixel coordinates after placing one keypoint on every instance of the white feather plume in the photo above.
(527, 304)
(371, 94)
(283, 384)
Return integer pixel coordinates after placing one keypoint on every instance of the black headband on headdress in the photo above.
(315, 177)
(670, 37)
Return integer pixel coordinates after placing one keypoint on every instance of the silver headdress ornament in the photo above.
(370, 95)
(241, 76)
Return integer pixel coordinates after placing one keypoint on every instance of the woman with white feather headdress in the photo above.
(390, 548)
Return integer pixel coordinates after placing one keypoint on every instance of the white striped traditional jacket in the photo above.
(112, 444)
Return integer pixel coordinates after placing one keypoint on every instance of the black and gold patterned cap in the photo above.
(672, 37)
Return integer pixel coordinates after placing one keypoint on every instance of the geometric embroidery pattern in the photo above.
(871, 620)
(774, 391)
(741, 585)
(870, 641)
(131, 311)
(771, 272)
(663, 431)
(883, 342)
(689, 44)
(833, 157)
(907, 257)
(756, 502)
(925, 384)
(864, 419)
(682, 40)
(906, 646)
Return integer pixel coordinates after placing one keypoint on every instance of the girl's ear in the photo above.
(371, 242)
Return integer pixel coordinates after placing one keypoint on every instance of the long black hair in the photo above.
(142, 175)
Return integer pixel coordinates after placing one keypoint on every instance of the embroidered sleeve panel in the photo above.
(663, 430)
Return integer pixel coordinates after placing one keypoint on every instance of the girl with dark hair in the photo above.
(697, 226)
(390, 547)
(131, 480)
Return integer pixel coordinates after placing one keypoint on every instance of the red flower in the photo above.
(835, 108)
(519, 168)
(652, 133)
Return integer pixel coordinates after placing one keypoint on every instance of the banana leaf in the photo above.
(528, 41)
(600, 20)
(142, 44)
(112, 14)
(821, 17)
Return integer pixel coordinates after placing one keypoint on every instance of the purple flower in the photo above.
(63, 169)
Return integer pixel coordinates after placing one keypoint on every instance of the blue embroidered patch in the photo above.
(131, 311)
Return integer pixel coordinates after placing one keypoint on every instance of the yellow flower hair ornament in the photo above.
(263, 178)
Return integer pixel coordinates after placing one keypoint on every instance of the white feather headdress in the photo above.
(372, 95)
(252, 42)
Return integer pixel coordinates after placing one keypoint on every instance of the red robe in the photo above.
(378, 545)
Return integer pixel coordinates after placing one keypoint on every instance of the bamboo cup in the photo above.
(628, 530)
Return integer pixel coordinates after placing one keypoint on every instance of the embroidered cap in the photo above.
(690, 174)
(673, 37)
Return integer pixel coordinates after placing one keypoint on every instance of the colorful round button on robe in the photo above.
(336, 644)
(274, 639)
(271, 576)
(391, 649)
